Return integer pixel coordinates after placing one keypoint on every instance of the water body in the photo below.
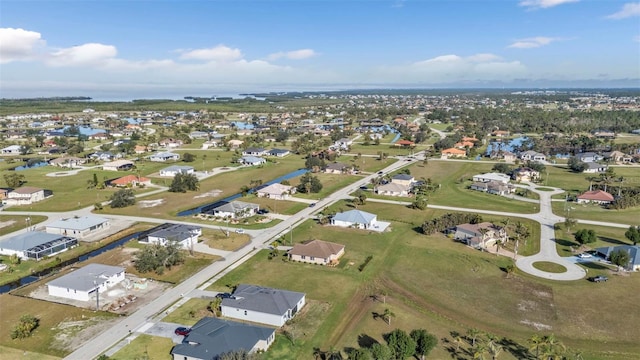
(208, 207)
(242, 125)
(506, 146)
(33, 166)
(37, 276)
(88, 130)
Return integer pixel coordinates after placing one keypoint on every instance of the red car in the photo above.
(182, 331)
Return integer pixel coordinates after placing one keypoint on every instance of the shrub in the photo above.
(25, 327)
(365, 263)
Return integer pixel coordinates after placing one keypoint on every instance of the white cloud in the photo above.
(18, 44)
(544, 4)
(628, 10)
(91, 54)
(533, 42)
(220, 53)
(293, 55)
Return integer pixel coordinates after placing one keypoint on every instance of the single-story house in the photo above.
(140, 149)
(104, 156)
(453, 153)
(69, 162)
(479, 235)
(82, 284)
(276, 191)
(176, 169)
(403, 179)
(78, 226)
(130, 180)
(118, 165)
(36, 245)
(633, 250)
(199, 135)
(186, 235)
(254, 151)
(211, 144)
(25, 195)
(393, 189)
(404, 143)
(170, 143)
(525, 174)
(498, 177)
(211, 337)
(531, 155)
(343, 143)
(618, 157)
(235, 144)
(278, 152)
(589, 157)
(262, 305)
(593, 167)
(493, 187)
(251, 160)
(595, 196)
(355, 218)
(12, 150)
(336, 168)
(317, 252)
(164, 156)
(235, 209)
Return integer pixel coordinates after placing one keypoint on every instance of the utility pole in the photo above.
(95, 283)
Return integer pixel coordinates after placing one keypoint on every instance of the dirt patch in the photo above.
(150, 203)
(359, 306)
(7, 223)
(212, 193)
(70, 335)
(535, 325)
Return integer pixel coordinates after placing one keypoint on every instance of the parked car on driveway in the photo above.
(182, 331)
(599, 278)
(585, 256)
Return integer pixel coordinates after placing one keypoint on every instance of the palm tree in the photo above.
(473, 334)
(387, 315)
(535, 342)
(479, 351)
(553, 348)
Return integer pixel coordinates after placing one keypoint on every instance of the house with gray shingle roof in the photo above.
(211, 337)
(36, 245)
(262, 305)
(78, 226)
(81, 284)
(185, 235)
(235, 209)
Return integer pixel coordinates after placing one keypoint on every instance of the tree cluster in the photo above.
(399, 346)
(25, 327)
(14, 180)
(633, 234)
(122, 198)
(585, 236)
(184, 182)
(448, 221)
(158, 257)
(309, 184)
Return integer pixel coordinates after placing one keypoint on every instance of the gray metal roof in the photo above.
(264, 300)
(28, 240)
(633, 250)
(78, 223)
(355, 217)
(235, 206)
(176, 232)
(86, 278)
(402, 177)
(212, 337)
(178, 168)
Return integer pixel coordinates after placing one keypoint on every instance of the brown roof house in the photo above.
(317, 252)
(25, 195)
(479, 235)
(596, 197)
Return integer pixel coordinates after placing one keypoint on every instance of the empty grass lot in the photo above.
(607, 236)
(47, 338)
(145, 347)
(11, 223)
(218, 239)
(438, 284)
(596, 212)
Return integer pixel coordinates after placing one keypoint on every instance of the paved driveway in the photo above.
(164, 329)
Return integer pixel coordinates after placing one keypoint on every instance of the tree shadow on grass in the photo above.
(594, 265)
(612, 241)
(517, 350)
(366, 341)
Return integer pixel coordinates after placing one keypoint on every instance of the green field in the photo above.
(145, 347)
(11, 223)
(607, 236)
(428, 280)
(596, 212)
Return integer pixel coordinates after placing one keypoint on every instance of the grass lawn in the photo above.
(549, 267)
(48, 337)
(607, 236)
(390, 150)
(190, 312)
(11, 223)
(145, 347)
(69, 192)
(330, 184)
(204, 160)
(217, 239)
(28, 267)
(366, 164)
(7, 353)
(437, 284)
(454, 178)
(598, 213)
(227, 183)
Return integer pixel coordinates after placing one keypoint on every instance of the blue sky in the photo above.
(127, 49)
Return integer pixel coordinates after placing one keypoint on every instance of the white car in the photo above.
(240, 231)
(585, 256)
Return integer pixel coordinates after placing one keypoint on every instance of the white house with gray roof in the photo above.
(359, 220)
(36, 245)
(262, 305)
(211, 337)
(174, 170)
(235, 210)
(79, 227)
(81, 284)
(186, 235)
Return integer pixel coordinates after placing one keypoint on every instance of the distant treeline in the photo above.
(54, 98)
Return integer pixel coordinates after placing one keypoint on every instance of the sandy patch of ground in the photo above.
(7, 223)
(535, 325)
(212, 193)
(150, 203)
(70, 335)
